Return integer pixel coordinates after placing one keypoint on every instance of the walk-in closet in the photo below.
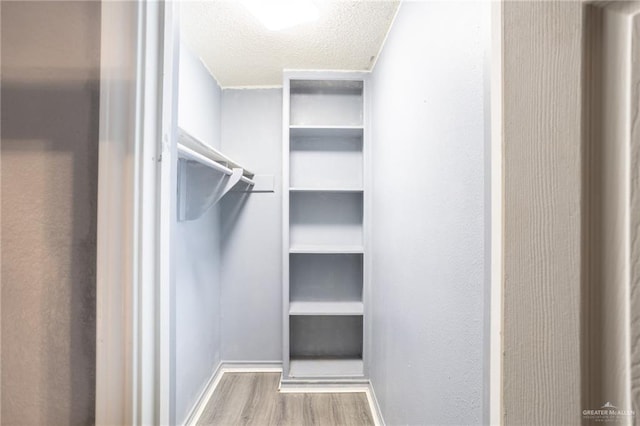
(331, 226)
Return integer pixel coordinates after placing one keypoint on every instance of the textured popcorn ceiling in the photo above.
(240, 52)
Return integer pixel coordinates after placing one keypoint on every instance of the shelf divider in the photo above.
(297, 131)
(338, 249)
(326, 308)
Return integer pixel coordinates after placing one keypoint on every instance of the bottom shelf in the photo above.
(326, 368)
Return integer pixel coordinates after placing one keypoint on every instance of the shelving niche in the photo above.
(332, 161)
(324, 219)
(322, 341)
(326, 102)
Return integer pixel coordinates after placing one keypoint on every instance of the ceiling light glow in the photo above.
(280, 14)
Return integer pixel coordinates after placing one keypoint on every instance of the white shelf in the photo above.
(320, 249)
(326, 368)
(300, 189)
(197, 191)
(319, 85)
(326, 308)
(191, 147)
(313, 131)
(187, 153)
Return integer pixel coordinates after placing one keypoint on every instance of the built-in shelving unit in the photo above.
(324, 215)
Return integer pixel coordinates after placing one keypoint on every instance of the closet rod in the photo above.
(190, 154)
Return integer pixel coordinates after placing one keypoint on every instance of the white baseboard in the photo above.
(375, 407)
(276, 367)
(227, 367)
(203, 399)
(252, 366)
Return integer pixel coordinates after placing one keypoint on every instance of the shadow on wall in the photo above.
(232, 208)
(49, 128)
(49, 195)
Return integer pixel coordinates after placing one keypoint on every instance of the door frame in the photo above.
(582, 164)
(135, 362)
(496, 197)
(136, 207)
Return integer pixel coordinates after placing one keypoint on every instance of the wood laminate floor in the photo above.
(254, 399)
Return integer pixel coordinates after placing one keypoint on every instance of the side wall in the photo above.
(197, 303)
(251, 229)
(542, 159)
(428, 285)
(50, 113)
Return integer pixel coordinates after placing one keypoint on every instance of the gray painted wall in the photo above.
(251, 229)
(50, 100)
(197, 300)
(426, 363)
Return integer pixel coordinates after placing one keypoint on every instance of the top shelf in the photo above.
(326, 131)
(326, 86)
(314, 103)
